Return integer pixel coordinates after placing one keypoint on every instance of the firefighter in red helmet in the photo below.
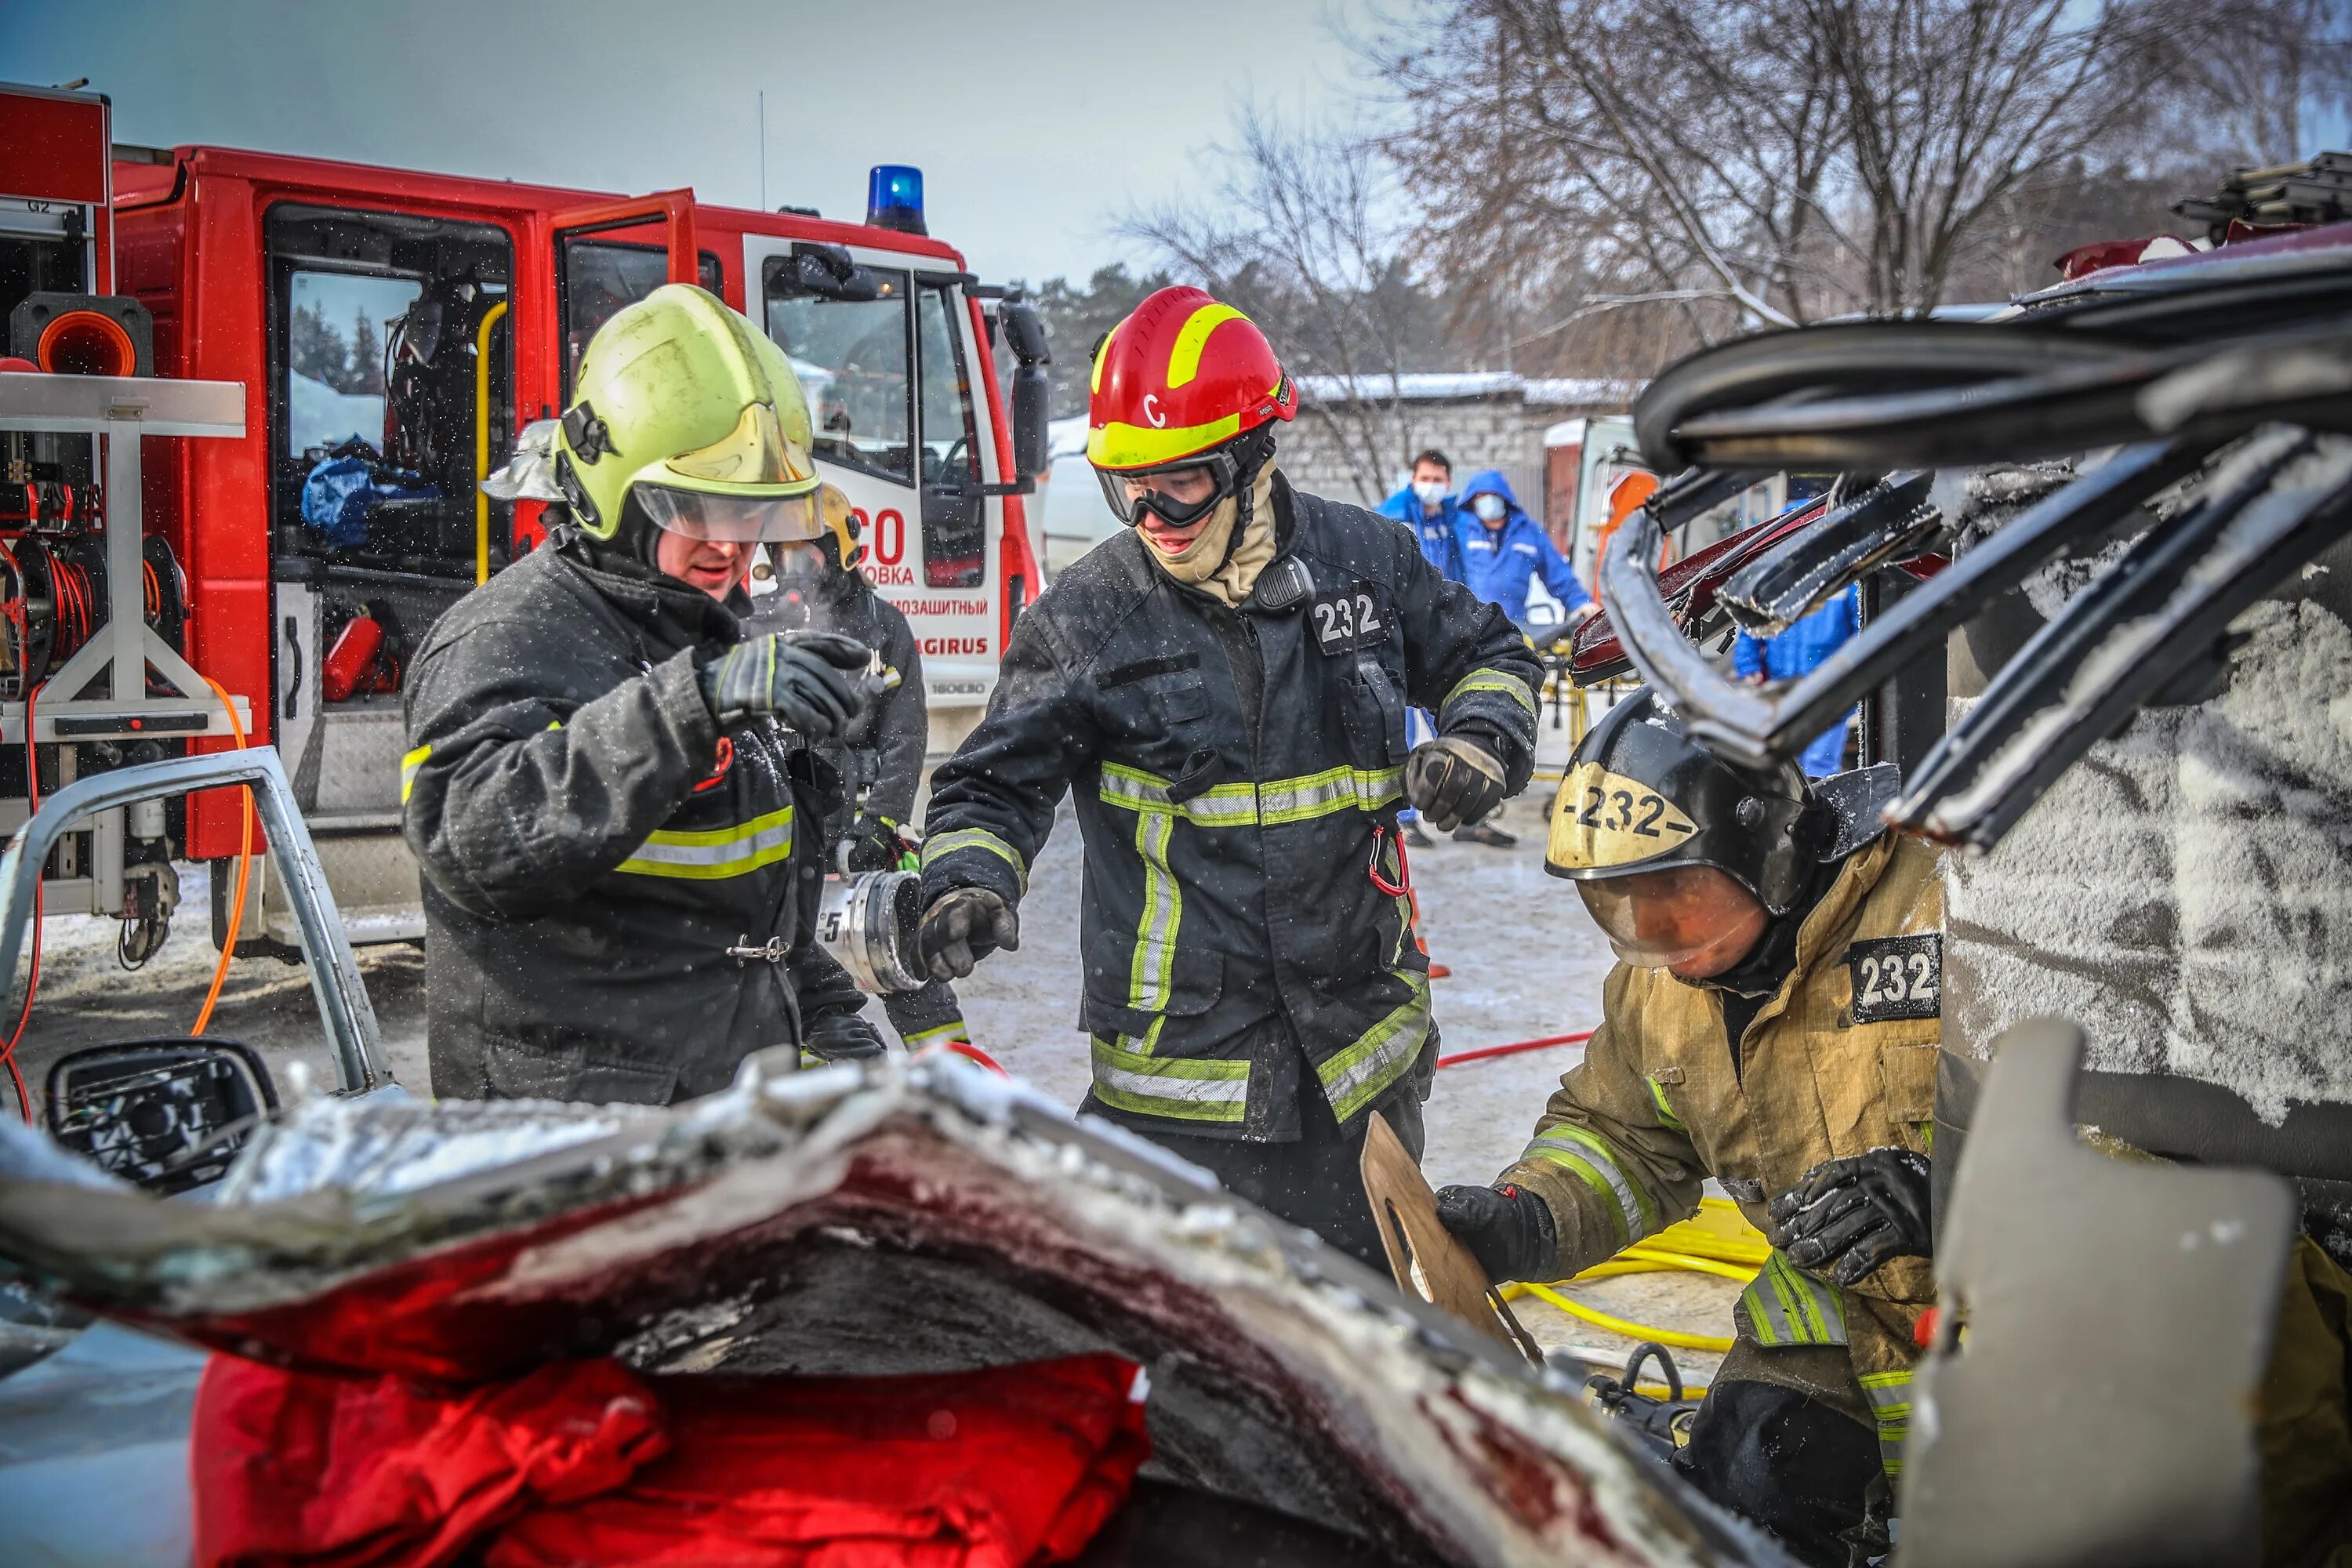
(1225, 689)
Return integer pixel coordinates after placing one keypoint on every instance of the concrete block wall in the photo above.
(1497, 432)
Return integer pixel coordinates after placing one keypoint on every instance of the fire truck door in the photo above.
(614, 253)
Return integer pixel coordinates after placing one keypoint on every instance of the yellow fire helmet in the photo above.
(685, 405)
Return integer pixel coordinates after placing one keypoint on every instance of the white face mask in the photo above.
(1490, 508)
(1429, 491)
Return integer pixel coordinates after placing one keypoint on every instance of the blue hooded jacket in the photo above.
(1498, 565)
(1441, 545)
(1797, 651)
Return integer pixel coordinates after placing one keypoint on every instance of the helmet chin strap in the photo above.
(1251, 452)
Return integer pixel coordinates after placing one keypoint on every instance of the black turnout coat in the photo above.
(1237, 775)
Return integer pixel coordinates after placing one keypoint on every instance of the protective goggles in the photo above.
(732, 519)
(1134, 491)
(1694, 920)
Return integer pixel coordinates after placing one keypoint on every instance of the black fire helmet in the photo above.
(1640, 795)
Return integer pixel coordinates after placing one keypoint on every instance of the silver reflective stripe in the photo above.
(1127, 1077)
(714, 853)
(1786, 1306)
(942, 843)
(1589, 1157)
(1889, 1393)
(1244, 805)
(1152, 974)
(1381, 1055)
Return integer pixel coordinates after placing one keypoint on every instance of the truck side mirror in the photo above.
(1024, 334)
(826, 271)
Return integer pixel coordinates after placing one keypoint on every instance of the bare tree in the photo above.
(2263, 69)
(1723, 165)
(1304, 236)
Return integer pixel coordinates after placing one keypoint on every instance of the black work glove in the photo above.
(804, 678)
(1850, 1216)
(1453, 780)
(844, 1037)
(872, 844)
(1507, 1229)
(964, 926)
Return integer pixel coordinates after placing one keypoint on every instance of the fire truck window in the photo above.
(600, 276)
(379, 322)
(334, 356)
(851, 356)
(954, 519)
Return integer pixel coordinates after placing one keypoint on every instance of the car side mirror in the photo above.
(1024, 334)
(166, 1114)
(1543, 616)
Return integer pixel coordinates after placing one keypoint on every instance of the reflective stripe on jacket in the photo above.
(1658, 1104)
(592, 845)
(1230, 770)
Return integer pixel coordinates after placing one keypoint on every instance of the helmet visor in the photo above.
(1697, 920)
(732, 519)
(1179, 493)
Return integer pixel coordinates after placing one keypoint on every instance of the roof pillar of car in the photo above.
(1891, 521)
(1746, 725)
(2132, 634)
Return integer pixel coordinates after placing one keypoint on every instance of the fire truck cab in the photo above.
(393, 331)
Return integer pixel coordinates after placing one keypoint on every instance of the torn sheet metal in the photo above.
(879, 1219)
(1892, 521)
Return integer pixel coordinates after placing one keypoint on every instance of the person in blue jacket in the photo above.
(1503, 552)
(1425, 506)
(1799, 651)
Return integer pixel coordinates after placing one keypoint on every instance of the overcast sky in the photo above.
(1036, 123)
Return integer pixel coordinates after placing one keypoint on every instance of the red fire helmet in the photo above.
(1180, 375)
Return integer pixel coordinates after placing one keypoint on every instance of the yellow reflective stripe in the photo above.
(1094, 382)
(409, 765)
(1187, 1089)
(1788, 1307)
(1589, 1157)
(1889, 1393)
(713, 853)
(1379, 1056)
(1248, 806)
(944, 844)
(1117, 446)
(958, 1030)
(1192, 339)
(1666, 1117)
(1152, 974)
(1488, 679)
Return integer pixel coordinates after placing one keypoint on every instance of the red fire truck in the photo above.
(392, 332)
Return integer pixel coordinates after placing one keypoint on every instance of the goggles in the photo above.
(1696, 921)
(1134, 491)
(732, 519)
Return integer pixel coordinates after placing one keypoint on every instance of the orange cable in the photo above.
(33, 981)
(244, 866)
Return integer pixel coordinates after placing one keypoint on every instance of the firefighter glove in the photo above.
(1453, 780)
(842, 1037)
(964, 926)
(1847, 1216)
(873, 845)
(802, 678)
(1507, 1229)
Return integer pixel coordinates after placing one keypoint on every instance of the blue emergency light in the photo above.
(894, 198)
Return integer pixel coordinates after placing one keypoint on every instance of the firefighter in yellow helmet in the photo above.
(610, 791)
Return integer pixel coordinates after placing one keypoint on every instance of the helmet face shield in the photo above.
(1697, 920)
(732, 519)
(1131, 492)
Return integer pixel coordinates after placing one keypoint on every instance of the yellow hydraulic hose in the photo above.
(1719, 1241)
(482, 439)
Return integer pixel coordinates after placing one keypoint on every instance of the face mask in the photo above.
(1490, 508)
(1429, 491)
